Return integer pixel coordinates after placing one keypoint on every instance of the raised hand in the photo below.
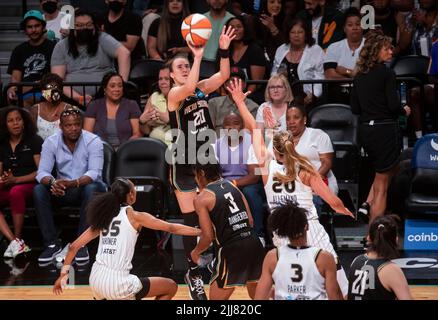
(198, 52)
(227, 35)
(235, 87)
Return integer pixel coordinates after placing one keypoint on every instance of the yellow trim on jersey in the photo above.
(215, 275)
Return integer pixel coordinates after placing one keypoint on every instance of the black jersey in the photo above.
(192, 117)
(363, 280)
(229, 216)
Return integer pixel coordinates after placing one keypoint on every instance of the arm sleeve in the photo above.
(354, 100)
(324, 144)
(391, 93)
(15, 62)
(153, 29)
(91, 111)
(331, 58)
(135, 26)
(36, 145)
(47, 160)
(109, 44)
(257, 57)
(134, 110)
(95, 159)
(259, 116)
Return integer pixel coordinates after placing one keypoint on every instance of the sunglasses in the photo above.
(69, 112)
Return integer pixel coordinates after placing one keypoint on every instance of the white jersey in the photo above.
(110, 278)
(296, 275)
(277, 193)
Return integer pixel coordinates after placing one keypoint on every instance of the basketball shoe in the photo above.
(195, 284)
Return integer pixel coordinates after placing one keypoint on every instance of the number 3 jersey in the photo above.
(117, 243)
(296, 276)
(229, 216)
(278, 193)
(191, 118)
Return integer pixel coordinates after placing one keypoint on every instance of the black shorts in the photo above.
(382, 143)
(238, 263)
(182, 177)
(145, 290)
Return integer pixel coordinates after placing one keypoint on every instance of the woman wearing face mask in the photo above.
(86, 56)
(155, 118)
(163, 42)
(46, 113)
(113, 118)
(53, 18)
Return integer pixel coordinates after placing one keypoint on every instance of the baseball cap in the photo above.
(237, 72)
(32, 14)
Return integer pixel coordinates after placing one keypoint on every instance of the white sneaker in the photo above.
(15, 248)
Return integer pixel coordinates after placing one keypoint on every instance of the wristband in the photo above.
(224, 53)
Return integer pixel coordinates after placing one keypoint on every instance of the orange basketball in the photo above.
(196, 29)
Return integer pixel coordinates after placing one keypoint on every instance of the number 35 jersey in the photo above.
(191, 118)
(117, 243)
(296, 275)
(278, 193)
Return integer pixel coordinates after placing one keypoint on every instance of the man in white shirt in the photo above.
(53, 18)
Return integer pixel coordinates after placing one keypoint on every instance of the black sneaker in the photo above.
(49, 253)
(82, 254)
(364, 212)
(196, 286)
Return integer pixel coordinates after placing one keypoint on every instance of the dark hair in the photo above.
(212, 171)
(279, 18)
(288, 220)
(29, 126)
(51, 78)
(93, 45)
(107, 77)
(351, 12)
(246, 35)
(308, 39)
(297, 105)
(383, 236)
(105, 206)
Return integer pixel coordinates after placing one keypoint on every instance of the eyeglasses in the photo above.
(272, 88)
(89, 25)
(68, 112)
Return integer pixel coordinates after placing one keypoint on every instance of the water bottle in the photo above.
(256, 7)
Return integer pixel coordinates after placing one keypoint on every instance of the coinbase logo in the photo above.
(423, 237)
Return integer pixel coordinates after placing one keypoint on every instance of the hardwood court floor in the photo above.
(84, 293)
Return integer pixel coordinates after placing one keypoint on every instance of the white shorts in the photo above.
(113, 285)
(318, 237)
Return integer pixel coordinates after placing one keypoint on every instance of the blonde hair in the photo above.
(293, 162)
(369, 55)
(289, 96)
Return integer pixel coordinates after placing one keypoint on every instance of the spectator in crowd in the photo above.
(341, 57)
(163, 41)
(247, 55)
(324, 20)
(221, 106)
(46, 113)
(86, 55)
(77, 156)
(425, 26)
(20, 150)
(154, 121)
(141, 7)
(269, 26)
(375, 99)
(291, 8)
(315, 145)
(53, 17)
(271, 115)
(125, 27)
(393, 25)
(31, 59)
(218, 16)
(97, 8)
(232, 151)
(113, 118)
(301, 59)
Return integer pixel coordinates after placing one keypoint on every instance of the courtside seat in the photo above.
(423, 198)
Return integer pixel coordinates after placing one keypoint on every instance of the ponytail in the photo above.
(383, 236)
(293, 162)
(105, 206)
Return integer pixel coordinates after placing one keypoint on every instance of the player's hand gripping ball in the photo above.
(196, 29)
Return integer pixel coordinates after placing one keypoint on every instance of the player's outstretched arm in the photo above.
(147, 220)
(83, 239)
(264, 286)
(215, 81)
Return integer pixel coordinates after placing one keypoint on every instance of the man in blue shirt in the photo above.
(78, 158)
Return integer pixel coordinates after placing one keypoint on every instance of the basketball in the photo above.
(196, 29)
